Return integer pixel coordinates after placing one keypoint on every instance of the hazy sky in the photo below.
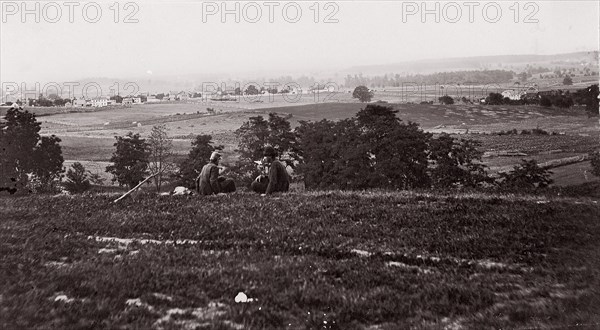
(176, 37)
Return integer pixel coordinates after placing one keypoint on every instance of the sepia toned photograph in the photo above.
(349, 164)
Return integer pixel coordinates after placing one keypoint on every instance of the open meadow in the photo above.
(332, 260)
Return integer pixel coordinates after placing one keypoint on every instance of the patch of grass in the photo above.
(429, 260)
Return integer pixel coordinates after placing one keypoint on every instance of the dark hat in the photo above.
(269, 152)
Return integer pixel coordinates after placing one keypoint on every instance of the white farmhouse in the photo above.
(512, 94)
(99, 102)
(152, 99)
(79, 103)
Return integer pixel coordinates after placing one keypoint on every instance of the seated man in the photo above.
(278, 179)
(209, 182)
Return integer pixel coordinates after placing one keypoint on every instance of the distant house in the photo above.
(512, 94)
(152, 99)
(79, 103)
(99, 102)
(170, 97)
(127, 101)
(531, 94)
(110, 102)
(68, 104)
(182, 96)
(136, 100)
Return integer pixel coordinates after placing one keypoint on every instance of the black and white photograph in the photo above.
(307, 164)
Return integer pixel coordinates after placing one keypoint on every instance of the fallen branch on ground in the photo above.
(135, 188)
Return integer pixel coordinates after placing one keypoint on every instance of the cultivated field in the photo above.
(315, 260)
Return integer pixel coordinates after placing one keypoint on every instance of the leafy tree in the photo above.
(190, 167)
(161, 154)
(48, 160)
(397, 151)
(362, 93)
(527, 175)
(567, 81)
(130, 160)
(24, 154)
(563, 101)
(494, 99)
(456, 162)
(77, 179)
(43, 102)
(589, 97)
(252, 90)
(326, 162)
(117, 98)
(257, 133)
(160, 96)
(545, 101)
(595, 158)
(19, 136)
(446, 100)
(385, 152)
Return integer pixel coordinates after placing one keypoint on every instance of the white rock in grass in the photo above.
(134, 302)
(361, 253)
(243, 298)
(181, 191)
(63, 298)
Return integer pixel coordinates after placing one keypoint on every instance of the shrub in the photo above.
(527, 175)
(77, 179)
(545, 102)
(130, 160)
(446, 100)
(161, 154)
(48, 160)
(589, 97)
(494, 99)
(456, 162)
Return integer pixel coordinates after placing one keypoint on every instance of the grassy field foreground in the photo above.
(315, 260)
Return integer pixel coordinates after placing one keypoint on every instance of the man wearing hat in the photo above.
(209, 182)
(279, 180)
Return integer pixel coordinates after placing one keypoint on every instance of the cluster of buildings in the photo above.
(516, 94)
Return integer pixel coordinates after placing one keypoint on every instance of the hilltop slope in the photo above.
(335, 260)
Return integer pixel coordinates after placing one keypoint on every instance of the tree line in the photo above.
(456, 77)
(373, 149)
